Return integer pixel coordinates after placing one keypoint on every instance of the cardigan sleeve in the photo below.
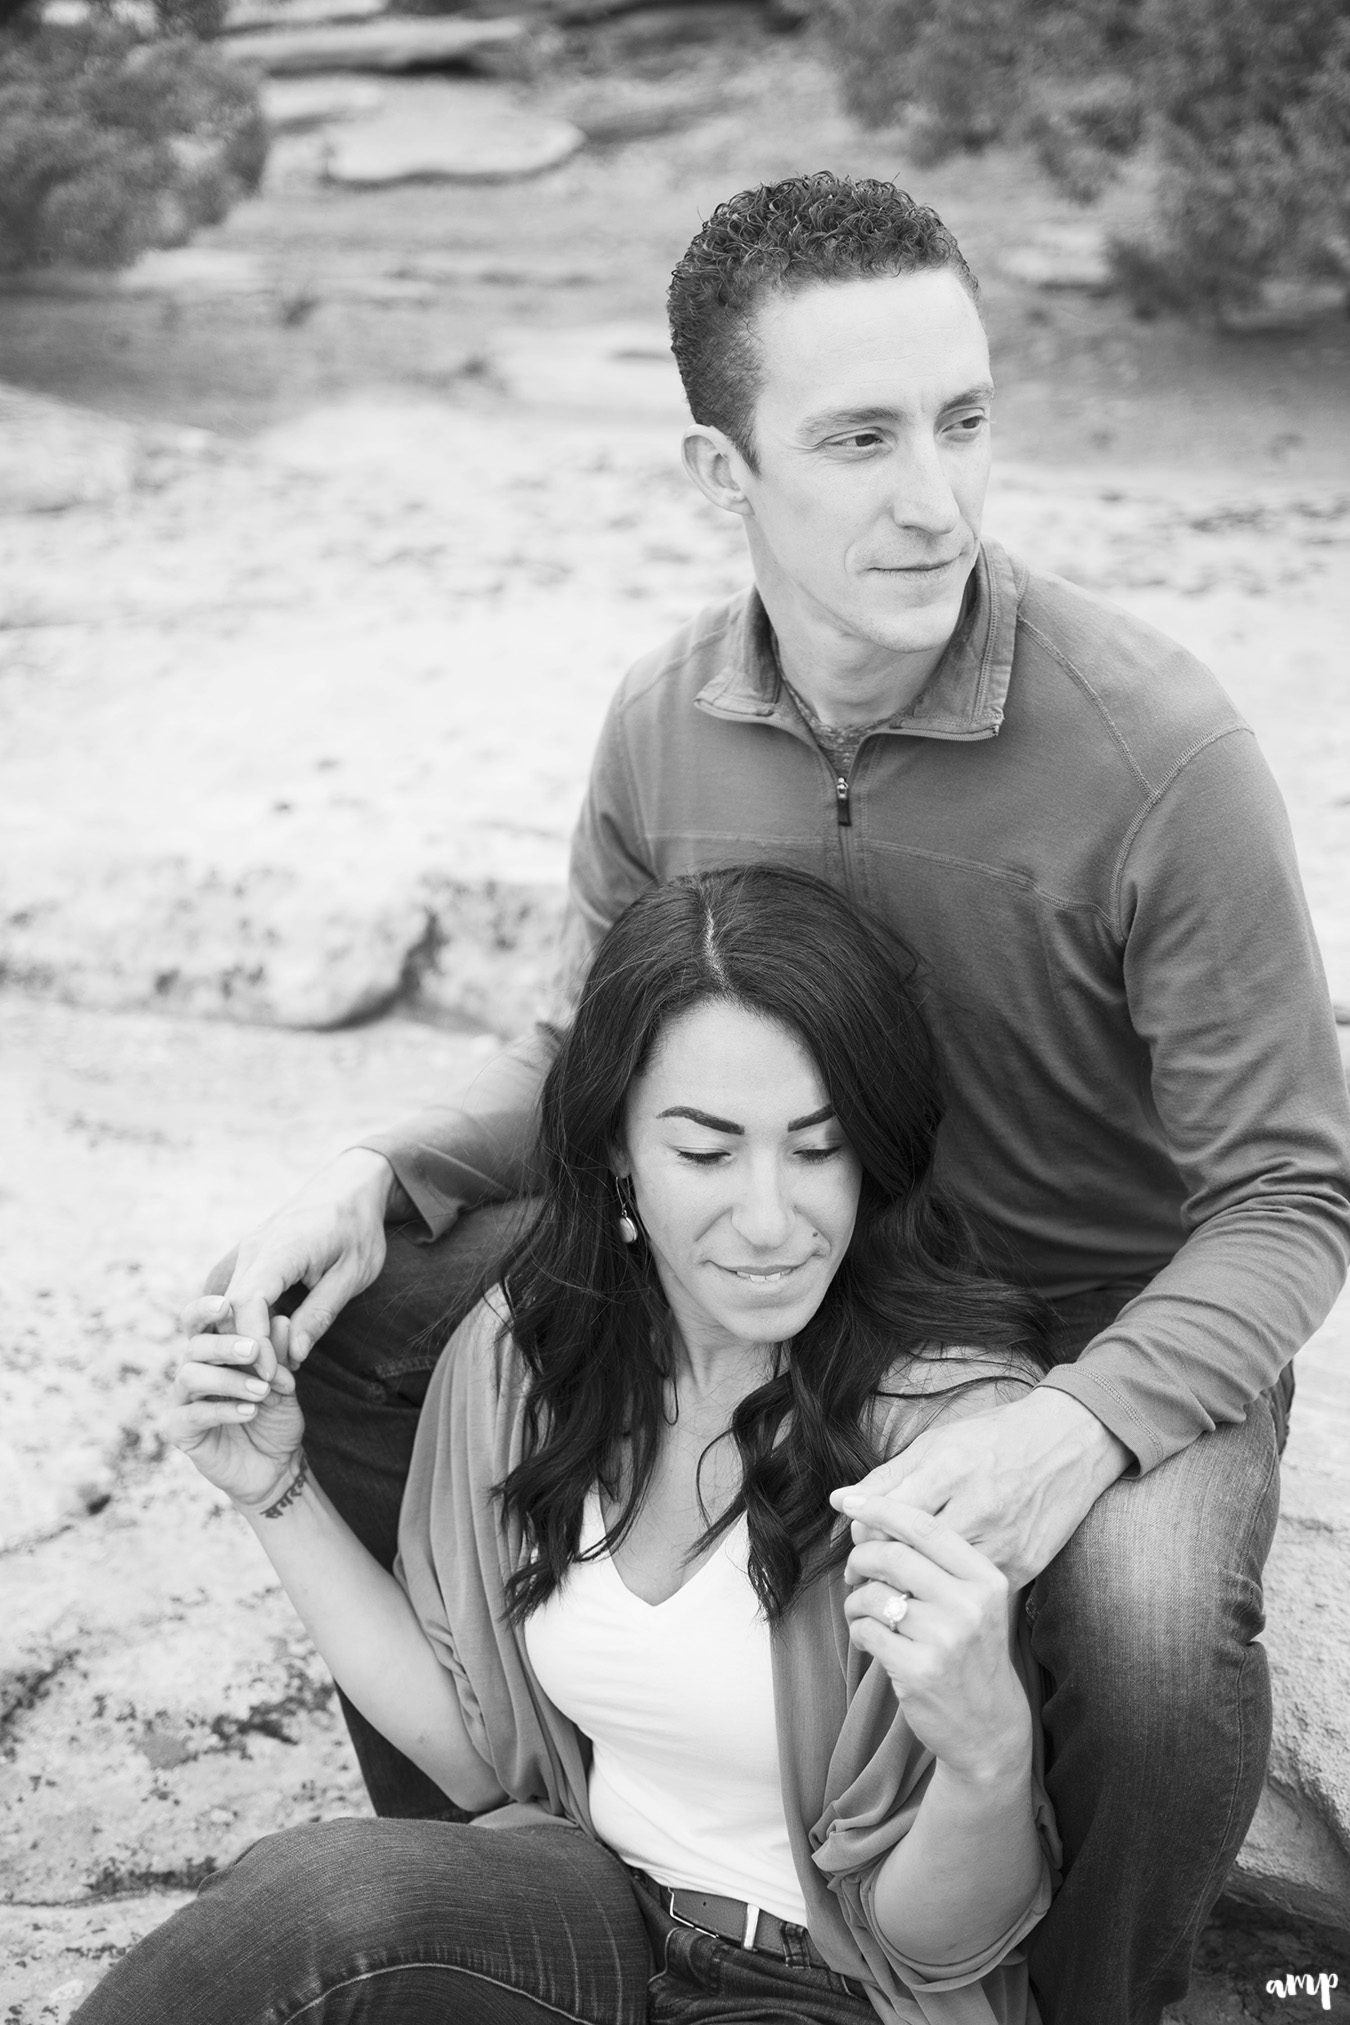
(454, 1555)
(880, 1771)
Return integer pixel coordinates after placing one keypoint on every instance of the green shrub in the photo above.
(1239, 111)
(111, 143)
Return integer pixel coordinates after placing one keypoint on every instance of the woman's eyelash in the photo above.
(812, 1153)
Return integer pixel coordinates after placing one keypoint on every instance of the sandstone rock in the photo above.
(452, 133)
(487, 959)
(195, 272)
(1297, 1856)
(293, 105)
(498, 270)
(1069, 256)
(246, 942)
(242, 16)
(176, 1708)
(617, 368)
(55, 1955)
(392, 43)
(53, 455)
(1286, 305)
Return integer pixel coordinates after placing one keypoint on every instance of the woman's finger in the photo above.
(905, 1523)
(902, 1568)
(217, 1381)
(185, 1426)
(221, 1350)
(891, 1608)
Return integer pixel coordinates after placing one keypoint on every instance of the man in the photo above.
(1065, 817)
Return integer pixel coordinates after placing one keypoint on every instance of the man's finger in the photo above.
(221, 1273)
(207, 1311)
(319, 1310)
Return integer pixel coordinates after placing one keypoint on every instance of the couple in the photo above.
(1145, 1119)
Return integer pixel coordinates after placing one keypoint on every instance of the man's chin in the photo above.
(917, 630)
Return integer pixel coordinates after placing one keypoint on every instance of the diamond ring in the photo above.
(894, 1612)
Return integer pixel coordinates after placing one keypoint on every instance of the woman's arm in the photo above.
(939, 1616)
(248, 1444)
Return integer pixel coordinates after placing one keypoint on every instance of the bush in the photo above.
(1239, 110)
(111, 142)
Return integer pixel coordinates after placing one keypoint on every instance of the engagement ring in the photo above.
(896, 1608)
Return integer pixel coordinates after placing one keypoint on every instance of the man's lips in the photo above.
(917, 569)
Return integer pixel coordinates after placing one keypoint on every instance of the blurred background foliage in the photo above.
(119, 131)
(1213, 135)
(1231, 119)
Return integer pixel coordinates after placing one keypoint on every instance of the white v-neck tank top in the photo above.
(677, 1700)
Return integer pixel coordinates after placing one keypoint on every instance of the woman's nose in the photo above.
(762, 1215)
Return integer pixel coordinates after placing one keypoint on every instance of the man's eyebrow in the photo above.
(862, 418)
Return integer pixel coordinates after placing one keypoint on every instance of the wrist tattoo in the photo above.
(291, 1492)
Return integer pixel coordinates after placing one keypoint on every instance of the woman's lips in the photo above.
(765, 1275)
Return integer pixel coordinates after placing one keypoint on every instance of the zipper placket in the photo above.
(843, 821)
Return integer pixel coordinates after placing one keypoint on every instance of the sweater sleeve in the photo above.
(1226, 989)
(453, 1157)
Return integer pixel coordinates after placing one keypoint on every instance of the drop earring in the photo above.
(628, 1229)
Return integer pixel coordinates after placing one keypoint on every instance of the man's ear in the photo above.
(716, 467)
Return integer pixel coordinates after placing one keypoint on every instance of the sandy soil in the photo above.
(352, 635)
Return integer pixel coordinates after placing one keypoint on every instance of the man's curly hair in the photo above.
(820, 227)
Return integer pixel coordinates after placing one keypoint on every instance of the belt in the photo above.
(730, 1919)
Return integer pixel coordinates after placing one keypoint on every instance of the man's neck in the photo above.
(856, 695)
(846, 682)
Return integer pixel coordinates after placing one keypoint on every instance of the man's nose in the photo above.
(922, 495)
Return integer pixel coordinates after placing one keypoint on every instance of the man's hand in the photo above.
(329, 1238)
(1015, 1482)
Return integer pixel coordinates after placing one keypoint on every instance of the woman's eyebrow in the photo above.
(703, 1118)
(819, 1117)
(825, 1112)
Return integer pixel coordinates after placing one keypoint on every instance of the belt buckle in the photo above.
(669, 1894)
(747, 1941)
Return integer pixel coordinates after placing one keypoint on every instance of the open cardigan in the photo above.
(853, 1773)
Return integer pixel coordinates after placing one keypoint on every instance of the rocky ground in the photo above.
(297, 692)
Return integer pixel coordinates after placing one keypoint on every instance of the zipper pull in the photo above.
(841, 807)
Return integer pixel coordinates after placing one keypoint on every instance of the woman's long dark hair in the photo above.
(587, 1311)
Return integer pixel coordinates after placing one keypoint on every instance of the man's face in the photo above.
(872, 434)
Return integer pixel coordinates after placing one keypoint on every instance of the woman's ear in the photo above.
(619, 1164)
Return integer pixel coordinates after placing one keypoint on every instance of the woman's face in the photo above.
(744, 1184)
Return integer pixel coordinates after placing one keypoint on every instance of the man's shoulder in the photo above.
(691, 657)
(1148, 691)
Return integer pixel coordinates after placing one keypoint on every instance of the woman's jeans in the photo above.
(1146, 1625)
(421, 1922)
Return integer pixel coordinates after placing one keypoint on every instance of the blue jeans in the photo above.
(1146, 1626)
(390, 1922)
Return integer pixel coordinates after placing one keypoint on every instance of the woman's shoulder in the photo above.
(481, 1358)
(947, 1381)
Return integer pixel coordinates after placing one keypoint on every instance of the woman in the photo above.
(736, 1769)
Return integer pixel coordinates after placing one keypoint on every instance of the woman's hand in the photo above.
(936, 1613)
(234, 1412)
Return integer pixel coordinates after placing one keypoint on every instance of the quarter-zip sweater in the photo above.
(1074, 830)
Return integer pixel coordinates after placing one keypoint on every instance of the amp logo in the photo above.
(1304, 1986)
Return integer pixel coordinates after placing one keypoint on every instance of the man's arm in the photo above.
(1225, 985)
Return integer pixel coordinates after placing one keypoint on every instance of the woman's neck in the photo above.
(715, 1369)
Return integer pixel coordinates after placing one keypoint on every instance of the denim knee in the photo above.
(1158, 1595)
